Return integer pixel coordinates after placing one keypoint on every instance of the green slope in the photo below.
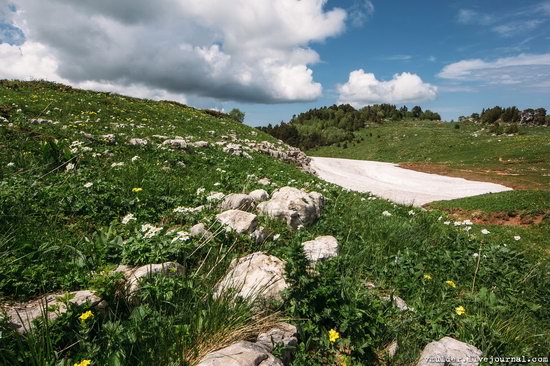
(57, 232)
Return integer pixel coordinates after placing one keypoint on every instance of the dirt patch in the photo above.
(496, 218)
(507, 178)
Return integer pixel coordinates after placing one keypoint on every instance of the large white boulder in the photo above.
(294, 206)
(255, 276)
(320, 248)
(21, 316)
(449, 352)
(240, 221)
(240, 354)
(237, 201)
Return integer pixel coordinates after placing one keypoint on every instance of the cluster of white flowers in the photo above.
(412, 213)
(485, 231)
(129, 217)
(88, 185)
(215, 196)
(386, 213)
(517, 237)
(69, 167)
(150, 230)
(200, 191)
(117, 165)
(184, 210)
(10, 165)
(181, 236)
(135, 158)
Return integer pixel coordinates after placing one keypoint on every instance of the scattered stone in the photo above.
(133, 275)
(293, 205)
(449, 352)
(240, 354)
(284, 335)
(237, 201)
(200, 144)
(176, 143)
(21, 316)
(233, 149)
(200, 231)
(264, 181)
(138, 142)
(391, 350)
(320, 248)
(398, 303)
(259, 195)
(254, 276)
(240, 221)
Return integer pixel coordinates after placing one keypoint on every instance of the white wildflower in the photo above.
(475, 255)
(276, 236)
(116, 165)
(412, 213)
(88, 185)
(468, 222)
(386, 213)
(517, 237)
(150, 230)
(446, 223)
(10, 165)
(135, 158)
(129, 217)
(181, 236)
(485, 231)
(200, 191)
(69, 167)
(215, 196)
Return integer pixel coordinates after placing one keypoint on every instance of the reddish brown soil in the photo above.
(496, 218)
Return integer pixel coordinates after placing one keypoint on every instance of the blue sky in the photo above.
(423, 37)
(273, 59)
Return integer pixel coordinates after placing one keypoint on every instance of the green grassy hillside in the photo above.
(66, 186)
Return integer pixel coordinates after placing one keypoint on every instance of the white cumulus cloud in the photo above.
(241, 50)
(363, 89)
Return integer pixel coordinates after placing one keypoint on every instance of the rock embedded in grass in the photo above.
(449, 352)
(134, 275)
(322, 247)
(175, 143)
(264, 181)
(283, 336)
(294, 206)
(259, 195)
(21, 316)
(243, 353)
(237, 201)
(255, 276)
(200, 231)
(240, 221)
(137, 142)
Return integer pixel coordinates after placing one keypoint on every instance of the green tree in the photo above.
(237, 115)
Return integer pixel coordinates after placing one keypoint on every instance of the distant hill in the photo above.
(336, 124)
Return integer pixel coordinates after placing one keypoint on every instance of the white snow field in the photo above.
(397, 184)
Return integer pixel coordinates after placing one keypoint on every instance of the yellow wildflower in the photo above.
(137, 189)
(86, 315)
(333, 335)
(451, 283)
(460, 310)
(427, 277)
(83, 363)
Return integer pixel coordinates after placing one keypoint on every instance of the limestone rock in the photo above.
(240, 354)
(200, 144)
(293, 205)
(133, 275)
(21, 316)
(260, 235)
(255, 276)
(259, 195)
(176, 143)
(240, 221)
(264, 181)
(237, 201)
(320, 248)
(138, 142)
(398, 303)
(284, 335)
(449, 352)
(200, 231)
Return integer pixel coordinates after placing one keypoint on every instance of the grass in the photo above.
(59, 233)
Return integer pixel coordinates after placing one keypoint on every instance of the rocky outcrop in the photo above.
(449, 352)
(240, 221)
(134, 275)
(284, 336)
(241, 354)
(237, 201)
(294, 206)
(138, 142)
(255, 276)
(22, 316)
(175, 143)
(322, 247)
